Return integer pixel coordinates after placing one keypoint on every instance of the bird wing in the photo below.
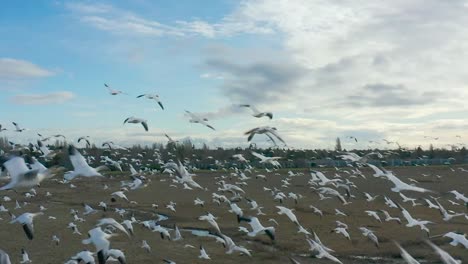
(161, 105)
(145, 125)
(76, 159)
(28, 230)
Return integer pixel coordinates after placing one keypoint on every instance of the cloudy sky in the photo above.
(326, 69)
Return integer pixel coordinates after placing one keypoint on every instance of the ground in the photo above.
(288, 242)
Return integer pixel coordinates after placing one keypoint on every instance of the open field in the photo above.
(288, 241)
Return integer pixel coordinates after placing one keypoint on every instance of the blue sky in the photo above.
(324, 69)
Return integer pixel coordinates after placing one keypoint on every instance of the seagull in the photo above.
(390, 218)
(256, 113)
(80, 166)
(116, 254)
(459, 196)
(152, 97)
(232, 247)
(85, 138)
(257, 227)
(211, 219)
(270, 132)
(198, 201)
(85, 256)
(145, 246)
(444, 256)
(99, 239)
(25, 256)
(17, 127)
(343, 231)
(4, 257)
(2, 129)
(445, 214)
(370, 198)
(272, 160)
(26, 220)
(370, 235)
(322, 251)
(456, 239)
(171, 141)
(203, 254)
(399, 184)
(56, 240)
(373, 214)
(197, 119)
(23, 177)
(405, 255)
(136, 120)
(113, 91)
(414, 222)
(408, 199)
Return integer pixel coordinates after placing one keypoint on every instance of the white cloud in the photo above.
(12, 69)
(42, 99)
(394, 69)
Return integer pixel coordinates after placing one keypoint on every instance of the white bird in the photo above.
(408, 199)
(343, 231)
(231, 247)
(211, 219)
(24, 256)
(289, 213)
(258, 228)
(56, 239)
(430, 204)
(80, 166)
(113, 91)
(18, 128)
(405, 255)
(370, 235)
(4, 257)
(203, 254)
(370, 198)
(263, 159)
(322, 251)
(198, 201)
(128, 226)
(23, 177)
(88, 210)
(100, 240)
(373, 214)
(120, 194)
(152, 97)
(116, 255)
(136, 120)
(459, 196)
(256, 113)
(446, 215)
(444, 256)
(85, 256)
(270, 132)
(390, 218)
(399, 184)
(26, 220)
(170, 140)
(145, 246)
(414, 222)
(197, 119)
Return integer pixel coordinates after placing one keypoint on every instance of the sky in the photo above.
(372, 70)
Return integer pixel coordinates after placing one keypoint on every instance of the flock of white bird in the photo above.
(26, 172)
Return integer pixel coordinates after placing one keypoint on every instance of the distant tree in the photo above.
(338, 144)
(431, 151)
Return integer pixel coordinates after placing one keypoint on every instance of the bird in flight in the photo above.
(152, 97)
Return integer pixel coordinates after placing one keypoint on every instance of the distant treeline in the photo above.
(153, 156)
